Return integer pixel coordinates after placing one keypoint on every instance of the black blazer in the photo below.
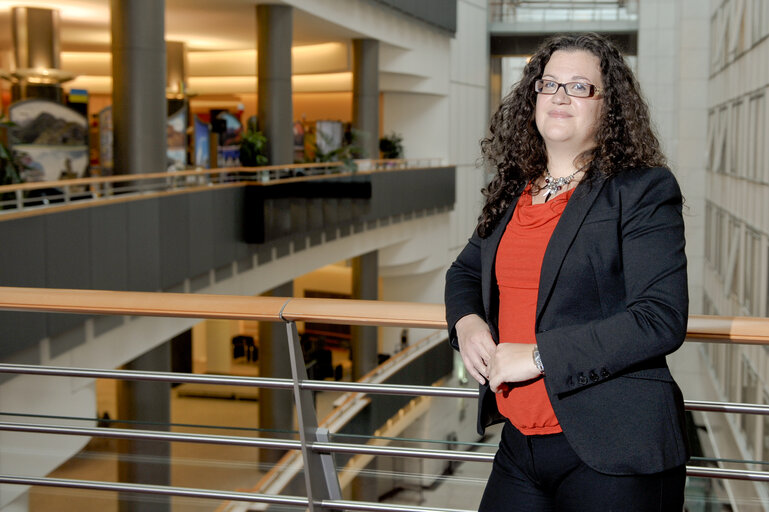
(612, 303)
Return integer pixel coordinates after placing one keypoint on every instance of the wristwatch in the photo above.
(538, 360)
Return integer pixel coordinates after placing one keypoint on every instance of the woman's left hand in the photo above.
(511, 362)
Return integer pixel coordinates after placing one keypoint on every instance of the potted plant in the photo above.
(391, 146)
(253, 147)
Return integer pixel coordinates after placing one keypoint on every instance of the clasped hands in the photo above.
(487, 361)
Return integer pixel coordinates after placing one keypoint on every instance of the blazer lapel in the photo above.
(489, 247)
(563, 235)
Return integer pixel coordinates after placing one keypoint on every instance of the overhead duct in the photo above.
(36, 52)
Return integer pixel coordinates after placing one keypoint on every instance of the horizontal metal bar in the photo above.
(187, 492)
(152, 435)
(184, 378)
(189, 378)
(731, 474)
(700, 405)
(396, 451)
(382, 507)
(255, 442)
(389, 389)
(317, 385)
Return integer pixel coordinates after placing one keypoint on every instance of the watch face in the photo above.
(538, 361)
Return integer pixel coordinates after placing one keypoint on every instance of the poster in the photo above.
(176, 139)
(51, 139)
(329, 136)
(202, 142)
(229, 140)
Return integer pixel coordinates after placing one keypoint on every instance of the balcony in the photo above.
(331, 461)
(201, 231)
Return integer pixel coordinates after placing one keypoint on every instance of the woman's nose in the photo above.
(560, 95)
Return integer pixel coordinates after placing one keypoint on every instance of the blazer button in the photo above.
(582, 379)
(594, 376)
(604, 373)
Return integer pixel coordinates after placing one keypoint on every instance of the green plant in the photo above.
(253, 147)
(391, 146)
(352, 147)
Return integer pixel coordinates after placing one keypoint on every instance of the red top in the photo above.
(518, 264)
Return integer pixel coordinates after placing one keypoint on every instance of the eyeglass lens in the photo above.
(578, 89)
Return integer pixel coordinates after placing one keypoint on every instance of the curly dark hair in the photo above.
(624, 137)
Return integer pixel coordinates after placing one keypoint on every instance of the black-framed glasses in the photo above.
(576, 89)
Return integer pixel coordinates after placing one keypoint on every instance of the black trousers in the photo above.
(542, 473)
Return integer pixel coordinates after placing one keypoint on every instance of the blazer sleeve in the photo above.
(463, 292)
(653, 268)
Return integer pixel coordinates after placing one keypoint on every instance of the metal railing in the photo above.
(321, 479)
(540, 11)
(46, 194)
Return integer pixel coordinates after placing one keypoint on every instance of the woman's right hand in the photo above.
(475, 345)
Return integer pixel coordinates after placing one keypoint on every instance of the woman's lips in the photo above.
(559, 114)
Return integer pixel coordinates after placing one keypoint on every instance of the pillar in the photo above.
(364, 342)
(365, 94)
(276, 406)
(138, 86)
(219, 335)
(274, 102)
(146, 462)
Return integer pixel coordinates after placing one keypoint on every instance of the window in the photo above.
(751, 269)
(718, 240)
(733, 142)
(765, 420)
(749, 394)
(755, 138)
(709, 232)
(733, 264)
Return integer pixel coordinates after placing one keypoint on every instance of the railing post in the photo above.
(320, 474)
(20, 199)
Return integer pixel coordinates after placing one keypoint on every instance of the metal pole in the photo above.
(319, 471)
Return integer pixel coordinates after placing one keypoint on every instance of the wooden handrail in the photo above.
(231, 307)
(736, 329)
(750, 330)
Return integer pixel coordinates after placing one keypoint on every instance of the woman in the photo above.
(572, 291)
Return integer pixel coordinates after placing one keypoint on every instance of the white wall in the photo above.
(673, 72)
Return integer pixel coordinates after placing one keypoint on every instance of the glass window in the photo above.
(734, 263)
(735, 136)
(708, 232)
(749, 395)
(752, 268)
(765, 421)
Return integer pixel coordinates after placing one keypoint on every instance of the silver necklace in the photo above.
(553, 185)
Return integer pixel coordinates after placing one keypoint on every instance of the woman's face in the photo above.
(567, 122)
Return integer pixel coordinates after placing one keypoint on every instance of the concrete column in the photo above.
(364, 341)
(139, 86)
(146, 462)
(219, 334)
(274, 102)
(276, 407)
(365, 94)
